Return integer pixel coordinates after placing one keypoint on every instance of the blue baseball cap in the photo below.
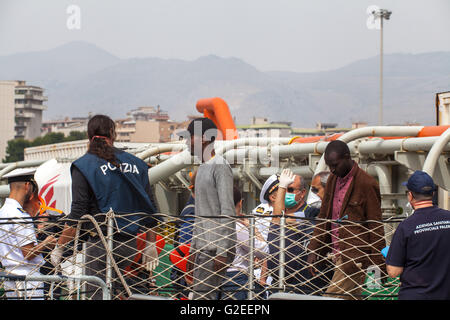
(420, 182)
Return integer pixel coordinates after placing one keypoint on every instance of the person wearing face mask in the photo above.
(325, 269)
(20, 253)
(419, 248)
(318, 183)
(236, 284)
(290, 202)
(352, 233)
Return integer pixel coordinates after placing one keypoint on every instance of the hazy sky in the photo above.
(289, 35)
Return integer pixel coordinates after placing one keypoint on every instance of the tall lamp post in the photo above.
(375, 21)
(381, 14)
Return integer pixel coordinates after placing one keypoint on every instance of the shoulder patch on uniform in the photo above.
(260, 210)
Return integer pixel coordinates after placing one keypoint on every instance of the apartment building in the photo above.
(146, 124)
(21, 106)
(65, 125)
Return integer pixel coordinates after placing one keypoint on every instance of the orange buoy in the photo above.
(217, 110)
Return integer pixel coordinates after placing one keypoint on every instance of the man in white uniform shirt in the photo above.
(267, 198)
(237, 284)
(20, 254)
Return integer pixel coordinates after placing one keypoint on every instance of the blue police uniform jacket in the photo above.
(122, 188)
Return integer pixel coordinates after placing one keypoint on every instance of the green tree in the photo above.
(76, 135)
(49, 138)
(15, 148)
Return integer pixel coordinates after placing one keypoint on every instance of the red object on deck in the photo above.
(140, 245)
(179, 256)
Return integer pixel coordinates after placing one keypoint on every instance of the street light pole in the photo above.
(380, 117)
(381, 14)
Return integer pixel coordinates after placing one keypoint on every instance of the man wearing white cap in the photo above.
(267, 198)
(264, 209)
(290, 202)
(20, 253)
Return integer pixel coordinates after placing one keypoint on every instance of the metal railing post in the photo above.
(282, 248)
(51, 291)
(53, 278)
(25, 288)
(251, 266)
(83, 270)
(110, 231)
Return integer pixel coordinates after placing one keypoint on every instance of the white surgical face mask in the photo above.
(313, 200)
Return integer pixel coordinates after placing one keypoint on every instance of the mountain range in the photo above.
(80, 77)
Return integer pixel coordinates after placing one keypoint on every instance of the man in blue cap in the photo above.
(419, 251)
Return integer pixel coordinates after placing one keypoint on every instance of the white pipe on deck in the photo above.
(441, 143)
(299, 149)
(160, 149)
(233, 144)
(172, 165)
(384, 180)
(407, 144)
(304, 171)
(377, 146)
(381, 131)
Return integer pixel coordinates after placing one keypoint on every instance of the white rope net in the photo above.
(262, 258)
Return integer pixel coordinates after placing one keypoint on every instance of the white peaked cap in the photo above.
(270, 182)
(21, 174)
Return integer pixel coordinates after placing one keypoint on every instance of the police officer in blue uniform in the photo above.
(106, 179)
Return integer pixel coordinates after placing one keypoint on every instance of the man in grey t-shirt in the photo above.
(213, 238)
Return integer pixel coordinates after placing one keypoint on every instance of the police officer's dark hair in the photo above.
(340, 147)
(100, 128)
